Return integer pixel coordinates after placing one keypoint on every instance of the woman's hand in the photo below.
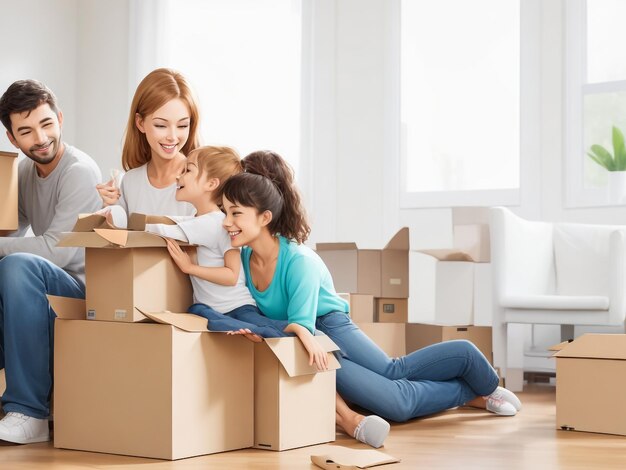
(180, 257)
(247, 334)
(109, 193)
(317, 354)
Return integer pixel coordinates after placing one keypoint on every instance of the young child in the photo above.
(161, 129)
(218, 282)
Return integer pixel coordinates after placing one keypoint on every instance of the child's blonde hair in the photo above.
(218, 162)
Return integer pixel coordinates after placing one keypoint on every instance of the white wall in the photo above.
(79, 49)
(39, 41)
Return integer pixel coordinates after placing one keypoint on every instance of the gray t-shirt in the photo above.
(51, 205)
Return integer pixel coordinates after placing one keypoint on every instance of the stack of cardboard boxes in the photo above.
(133, 378)
(405, 300)
(8, 211)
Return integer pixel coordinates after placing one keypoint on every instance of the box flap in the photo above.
(89, 222)
(138, 221)
(596, 346)
(335, 246)
(183, 321)
(291, 353)
(558, 347)
(110, 238)
(338, 457)
(400, 240)
(8, 154)
(447, 254)
(68, 308)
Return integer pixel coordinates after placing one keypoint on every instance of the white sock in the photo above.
(372, 430)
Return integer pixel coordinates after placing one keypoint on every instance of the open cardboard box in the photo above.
(8, 191)
(590, 381)
(381, 273)
(294, 404)
(124, 269)
(166, 390)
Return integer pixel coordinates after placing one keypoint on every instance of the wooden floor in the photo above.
(457, 439)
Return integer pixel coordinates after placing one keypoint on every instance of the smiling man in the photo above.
(56, 183)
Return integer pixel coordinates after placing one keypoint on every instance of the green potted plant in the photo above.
(614, 163)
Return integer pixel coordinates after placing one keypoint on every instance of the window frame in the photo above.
(530, 107)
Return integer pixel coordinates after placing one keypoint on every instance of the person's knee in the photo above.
(464, 346)
(16, 269)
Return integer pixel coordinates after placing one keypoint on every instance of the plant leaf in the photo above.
(595, 159)
(619, 149)
(604, 156)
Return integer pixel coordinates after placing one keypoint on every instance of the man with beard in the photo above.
(56, 183)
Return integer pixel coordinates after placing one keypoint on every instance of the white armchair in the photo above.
(559, 274)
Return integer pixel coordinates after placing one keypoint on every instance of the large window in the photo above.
(243, 59)
(595, 77)
(460, 102)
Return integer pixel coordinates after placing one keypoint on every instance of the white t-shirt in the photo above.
(213, 242)
(138, 195)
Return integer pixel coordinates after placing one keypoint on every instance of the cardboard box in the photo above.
(361, 306)
(8, 191)
(420, 335)
(441, 291)
(395, 266)
(483, 295)
(390, 337)
(294, 404)
(150, 389)
(590, 375)
(392, 310)
(127, 271)
(138, 221)
(470, 227)
(3, 382)
(474, 240)
(381, 273)
(353, 270)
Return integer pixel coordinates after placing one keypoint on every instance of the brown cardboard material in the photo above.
(420, 335)
(124, 270)
(474, 240)
(3, 382)
(353, 270)
(150, 389)
(138, 221)
(390, 337)
(392, 310)
(361, 307)
(294, 404)
(381, 273)
(338, 457)
(590, 384)
(395, 266)
(8, 191)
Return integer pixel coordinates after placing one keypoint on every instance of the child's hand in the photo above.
(109, 193)
(247, 333)
(182, 259)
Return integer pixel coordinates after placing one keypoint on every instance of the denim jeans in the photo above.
(426, 381)
(246, 316)
(27, 329)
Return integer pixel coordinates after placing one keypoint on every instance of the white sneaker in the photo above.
(509, 396)
(498, 405)
(22, 429)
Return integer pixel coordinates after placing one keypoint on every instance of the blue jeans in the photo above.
(27, 329)
(424, 382)
(246, 316)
